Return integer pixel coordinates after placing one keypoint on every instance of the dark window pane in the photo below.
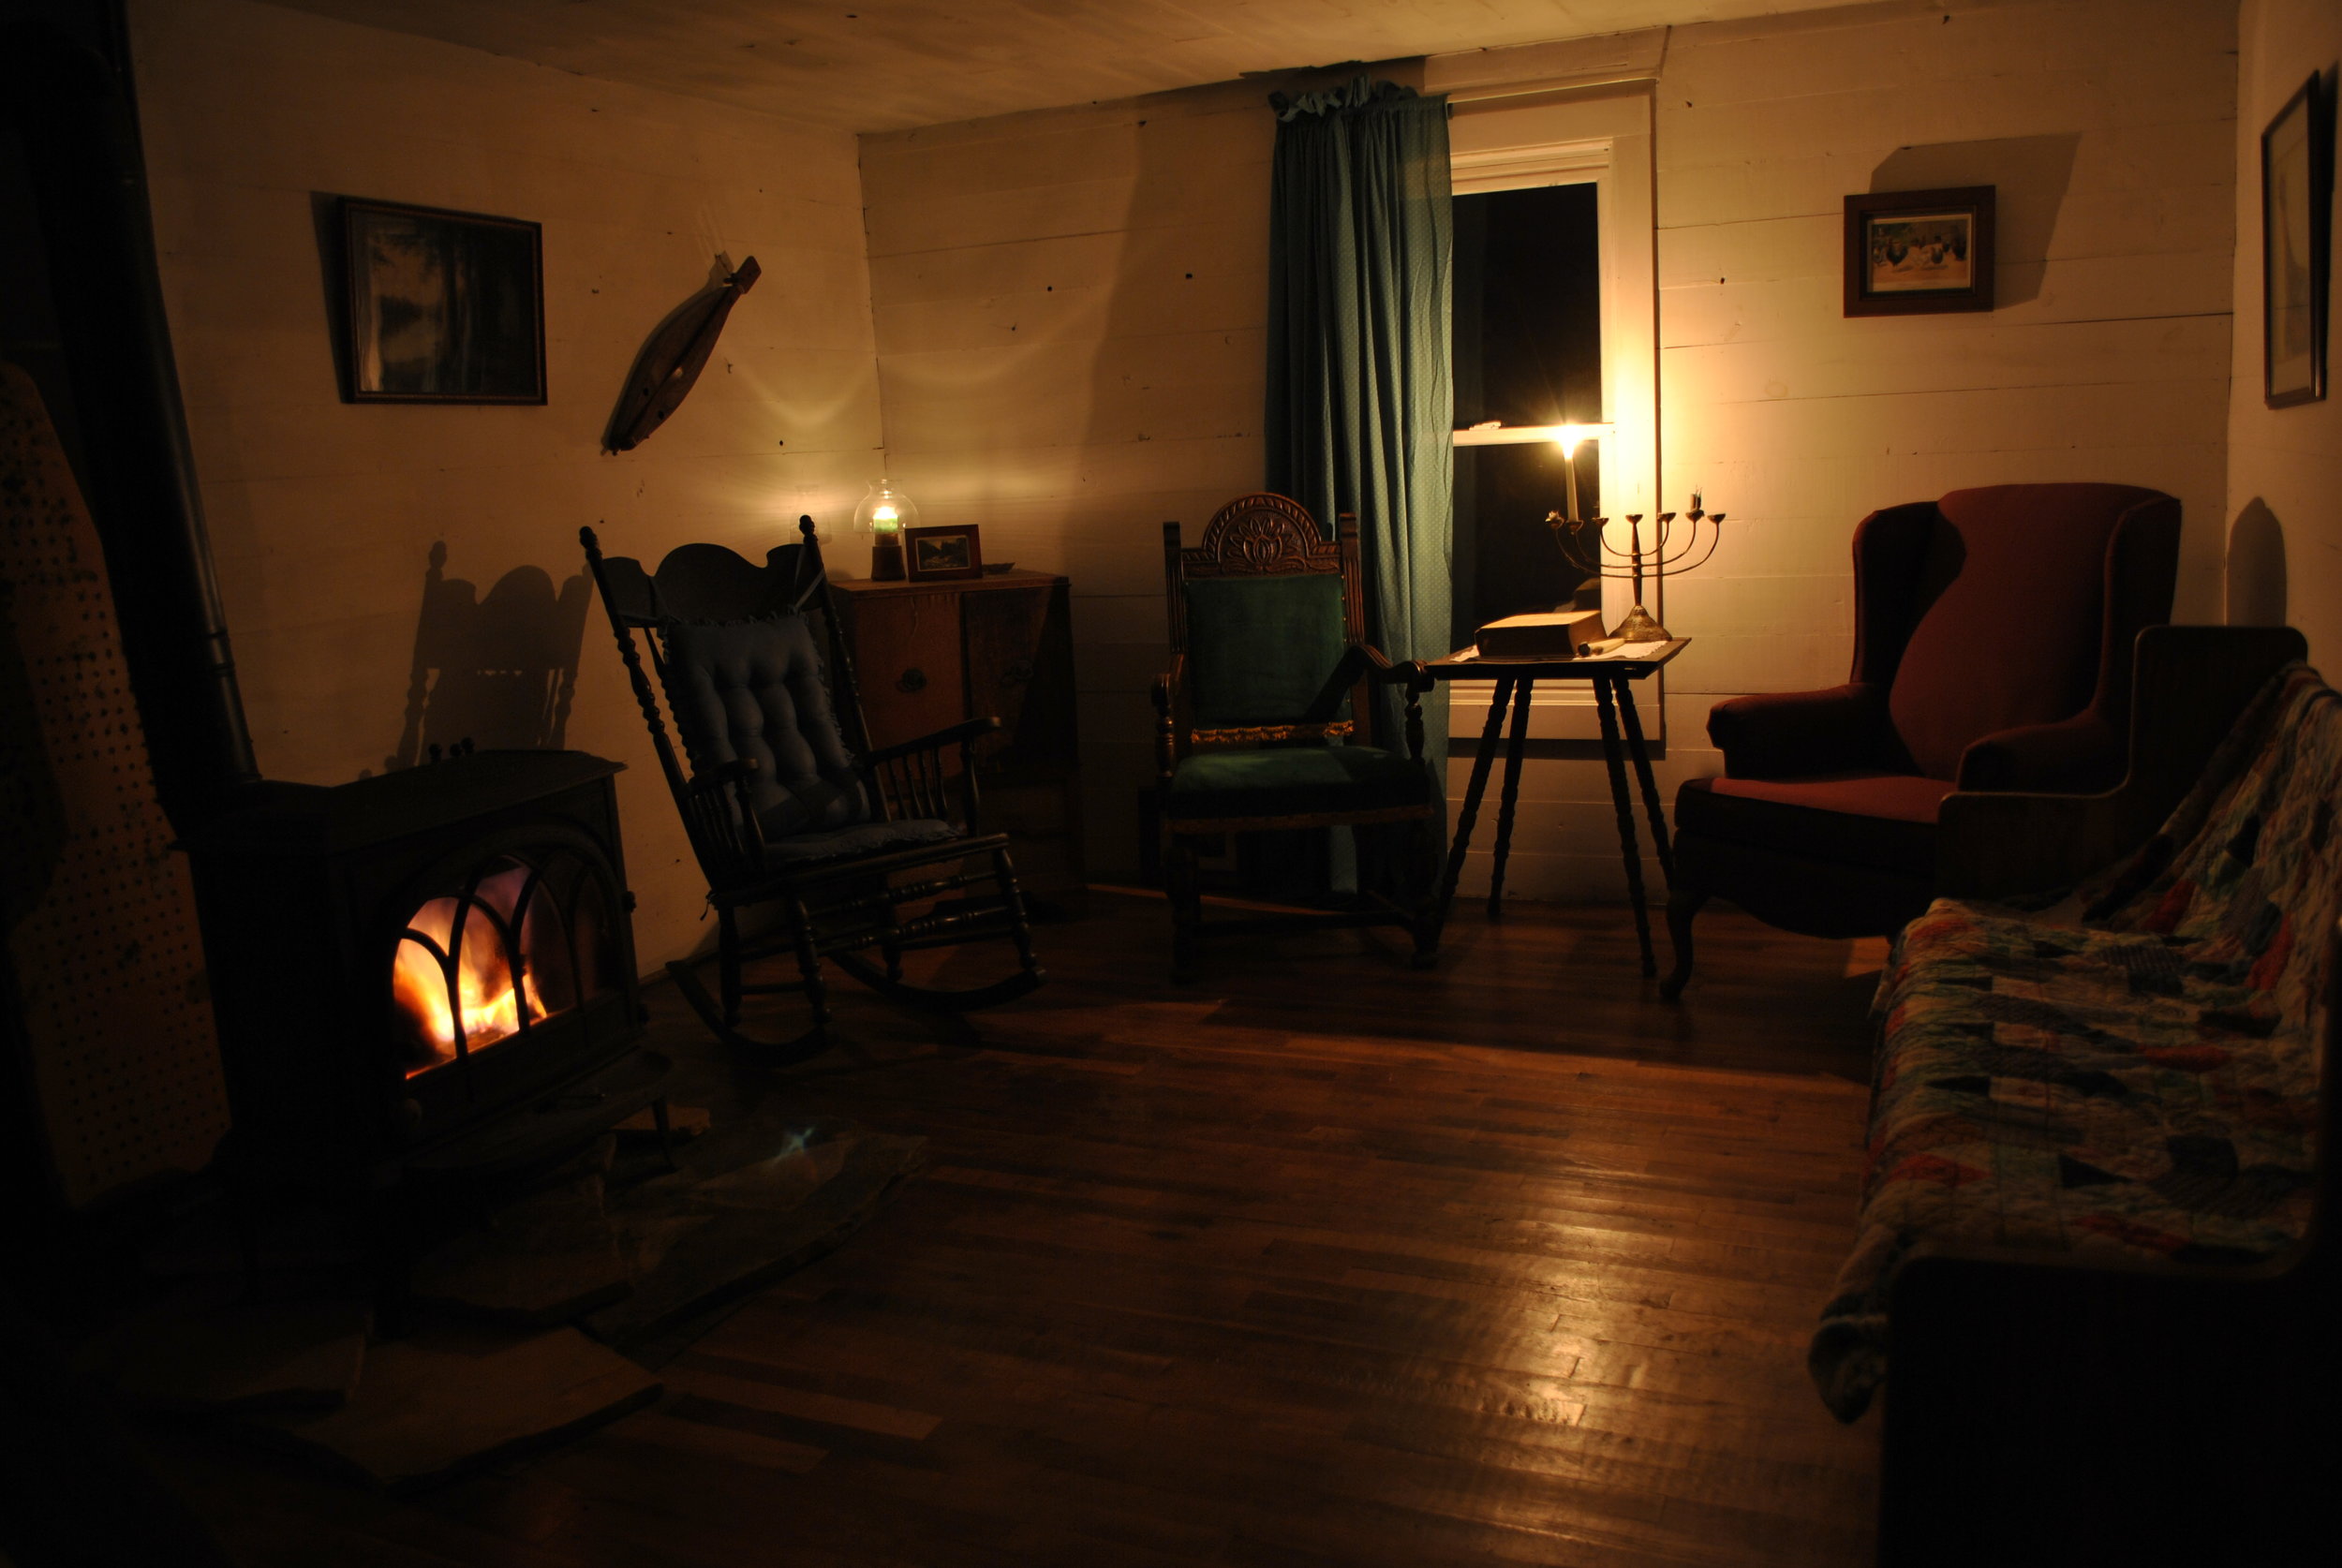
(1528, 351)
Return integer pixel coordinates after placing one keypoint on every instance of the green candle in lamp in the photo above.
(883, 514)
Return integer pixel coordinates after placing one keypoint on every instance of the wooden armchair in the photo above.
(786, 804)
(1270, 680)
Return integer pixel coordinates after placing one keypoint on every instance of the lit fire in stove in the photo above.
(492, 1010)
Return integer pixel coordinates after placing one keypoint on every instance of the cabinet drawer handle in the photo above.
(912, 679)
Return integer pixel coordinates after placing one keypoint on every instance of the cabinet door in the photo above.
(906, 657)
(1020, 670)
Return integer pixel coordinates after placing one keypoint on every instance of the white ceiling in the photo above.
(886, 65)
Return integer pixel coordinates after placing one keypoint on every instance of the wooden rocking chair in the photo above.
(786, 804)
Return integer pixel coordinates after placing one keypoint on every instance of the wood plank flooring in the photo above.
(1320, 1262)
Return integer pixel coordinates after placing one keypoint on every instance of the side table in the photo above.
(1516, 679)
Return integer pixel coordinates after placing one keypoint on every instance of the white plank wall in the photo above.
(2285, 465)
(324, 513)
(1070, 309)
(1063, 314)
(2106, 360)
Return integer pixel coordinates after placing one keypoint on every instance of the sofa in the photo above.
(2088, 1240)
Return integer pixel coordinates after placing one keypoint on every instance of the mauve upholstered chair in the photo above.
(1992, 633)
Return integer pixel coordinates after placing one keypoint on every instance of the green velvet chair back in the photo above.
(1263, 610)
(1260, 648)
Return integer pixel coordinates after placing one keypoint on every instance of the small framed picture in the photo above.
(942, 555)
(1918, 252)
(2296, 246)
(444, 307)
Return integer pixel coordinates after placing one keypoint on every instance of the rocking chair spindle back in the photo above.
(784, 801)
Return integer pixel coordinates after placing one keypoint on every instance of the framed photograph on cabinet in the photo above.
(1918, 252)
(443, 308)
(2296, 246)
(942, 555)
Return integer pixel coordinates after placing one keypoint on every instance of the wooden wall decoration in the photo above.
(671, 362)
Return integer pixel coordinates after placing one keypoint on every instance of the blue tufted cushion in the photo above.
(755, 688)
(868, 838)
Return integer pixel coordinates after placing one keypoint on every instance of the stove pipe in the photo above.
(79, 133)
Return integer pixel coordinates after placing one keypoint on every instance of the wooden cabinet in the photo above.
(929, 654)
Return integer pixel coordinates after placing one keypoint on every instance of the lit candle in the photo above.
(1571, 436)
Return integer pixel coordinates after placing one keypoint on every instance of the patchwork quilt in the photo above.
(2131, 1071)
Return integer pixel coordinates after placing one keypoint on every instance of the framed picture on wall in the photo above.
(942, 555)
(1918, 252)
(2296, 242)
(443, 308)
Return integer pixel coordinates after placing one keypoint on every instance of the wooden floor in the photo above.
(1319, 1261)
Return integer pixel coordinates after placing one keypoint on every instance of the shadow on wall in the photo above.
(1174, 404)
(2029, 175)
(2255, 568)
(496, 671)
(325, 219)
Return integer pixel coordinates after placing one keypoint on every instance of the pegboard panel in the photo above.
(102, 935)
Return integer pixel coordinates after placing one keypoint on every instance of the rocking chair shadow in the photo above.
(787, 806)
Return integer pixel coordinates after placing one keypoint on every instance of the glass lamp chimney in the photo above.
(883, 514)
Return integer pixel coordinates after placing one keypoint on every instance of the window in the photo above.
(1571, 171)
(1528, 352)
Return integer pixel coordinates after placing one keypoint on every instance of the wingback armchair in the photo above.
(1992, 633)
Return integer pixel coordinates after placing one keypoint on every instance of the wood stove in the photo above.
(428, 970)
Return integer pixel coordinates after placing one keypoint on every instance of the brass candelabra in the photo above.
(1585, 543)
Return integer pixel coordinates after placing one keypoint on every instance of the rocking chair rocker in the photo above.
(785, 802)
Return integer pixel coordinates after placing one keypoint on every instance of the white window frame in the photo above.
(1504, 137)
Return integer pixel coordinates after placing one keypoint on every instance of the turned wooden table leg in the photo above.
(1641, 751)
(1514, 741)
(1613, 757)
(1473, 793)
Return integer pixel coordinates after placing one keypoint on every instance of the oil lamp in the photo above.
(883, 514)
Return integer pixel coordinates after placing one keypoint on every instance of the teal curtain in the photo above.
(1360, 404)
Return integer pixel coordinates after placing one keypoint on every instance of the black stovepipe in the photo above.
(79, 133)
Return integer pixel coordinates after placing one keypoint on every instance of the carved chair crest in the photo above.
(1266, 535)
(1262, 535)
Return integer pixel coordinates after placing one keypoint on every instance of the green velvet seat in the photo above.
(1283, 781)
(1261, 716)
